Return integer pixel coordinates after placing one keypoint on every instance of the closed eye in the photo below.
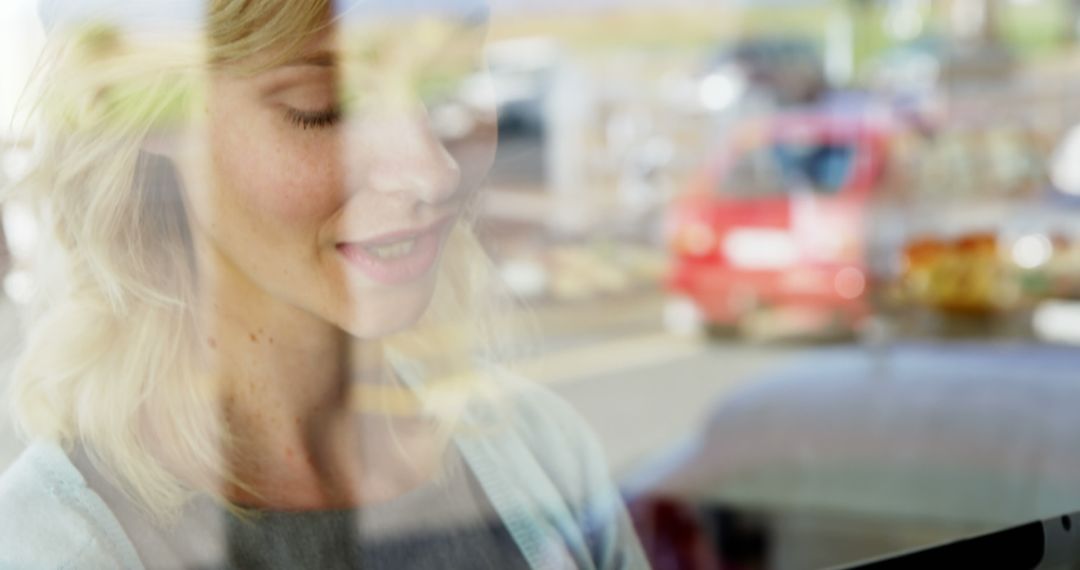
(313, 119)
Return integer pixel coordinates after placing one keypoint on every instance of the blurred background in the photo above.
(810, 269)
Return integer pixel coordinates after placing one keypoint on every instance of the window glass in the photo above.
(506, 284)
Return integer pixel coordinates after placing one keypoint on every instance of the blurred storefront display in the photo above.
(986, 237)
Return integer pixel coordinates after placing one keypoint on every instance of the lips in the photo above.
(398, 257)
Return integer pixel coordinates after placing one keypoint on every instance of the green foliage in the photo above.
(1035, 30)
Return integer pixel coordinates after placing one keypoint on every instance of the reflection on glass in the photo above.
(264, 332)
(292, 282)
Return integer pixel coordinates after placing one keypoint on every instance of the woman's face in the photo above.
(326, 186)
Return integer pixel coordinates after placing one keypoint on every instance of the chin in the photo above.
(380, 314)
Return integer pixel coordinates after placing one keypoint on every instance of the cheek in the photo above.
(287, 177)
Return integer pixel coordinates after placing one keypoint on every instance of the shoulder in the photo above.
(531, 451)
(568, 453)
(554, 431)
(51, 518)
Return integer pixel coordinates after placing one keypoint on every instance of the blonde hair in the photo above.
(113, 360)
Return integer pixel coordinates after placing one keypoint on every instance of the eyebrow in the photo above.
(321, 58)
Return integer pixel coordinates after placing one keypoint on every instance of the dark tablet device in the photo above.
(1048, 544)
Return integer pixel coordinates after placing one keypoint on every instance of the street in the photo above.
(640, 389)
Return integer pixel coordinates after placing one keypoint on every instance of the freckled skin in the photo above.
(280, 207)
(270, 204)
(275, 200)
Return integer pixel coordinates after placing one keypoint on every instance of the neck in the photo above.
(282, 376)
(284, 379)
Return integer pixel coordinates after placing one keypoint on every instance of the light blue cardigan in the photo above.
(543, 471)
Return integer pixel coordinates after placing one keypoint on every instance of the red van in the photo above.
(772, 228)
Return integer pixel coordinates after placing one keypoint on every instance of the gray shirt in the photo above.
(446, 523)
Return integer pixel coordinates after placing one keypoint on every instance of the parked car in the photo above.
(770, 234)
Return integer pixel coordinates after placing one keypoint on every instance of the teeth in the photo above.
(399, 249)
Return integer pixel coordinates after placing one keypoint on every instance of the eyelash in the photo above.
(313, 120)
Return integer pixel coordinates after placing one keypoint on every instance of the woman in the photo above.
(257, 347)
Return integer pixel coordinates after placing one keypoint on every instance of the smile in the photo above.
(399, 257)
(392, 251)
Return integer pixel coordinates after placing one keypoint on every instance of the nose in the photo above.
(397, 153)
